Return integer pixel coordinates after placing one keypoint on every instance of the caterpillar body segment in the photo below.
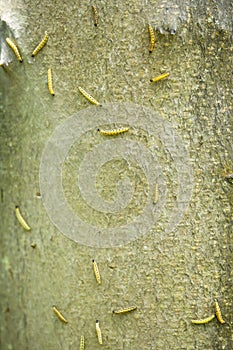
(113, 132)
(41, 44)
(88, 97)
(15, 49)
(204, 320)
(98, 332)
(160, 77)
(59, 315)
(21, 220)
(50, 82)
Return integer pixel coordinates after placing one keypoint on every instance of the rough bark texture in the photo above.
(173, 277)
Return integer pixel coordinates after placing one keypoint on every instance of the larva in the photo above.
(14, 48)
(113, 132)
(59, 315)
(21, 220)
(159, 77)
(96, 271)
(82, 343)
(50, 82)
(218, 312)
(41, 44)
(156, 195)
(152, 38)
(96, 15)
(123, 311)
(204, 320)
(98, 332)
(88, 97)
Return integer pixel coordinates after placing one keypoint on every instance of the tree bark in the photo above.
(178, 258)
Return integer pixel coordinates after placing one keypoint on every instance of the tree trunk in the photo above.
(152, 205)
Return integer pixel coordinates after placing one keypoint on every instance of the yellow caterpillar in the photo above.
(96, 15)
(96, 271)
(123, 311)
(98, 332)
(41, 44)
(21, 220)
(204, 320)
(88, 97)
(156, 196)
(82, 343)
(50, 82)
(59, 315)
(152, 38)
(14, 49)
(160, 77)
(218, 312)
(113, 132)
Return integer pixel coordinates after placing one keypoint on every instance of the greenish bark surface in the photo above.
(171, 277)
